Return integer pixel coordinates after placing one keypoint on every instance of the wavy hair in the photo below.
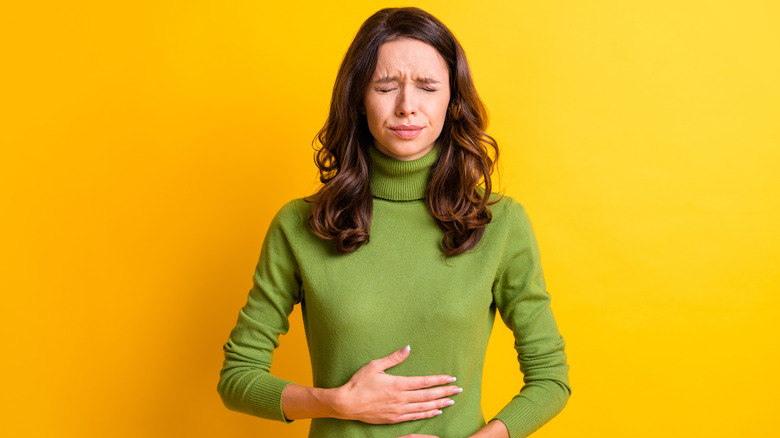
(459, 186)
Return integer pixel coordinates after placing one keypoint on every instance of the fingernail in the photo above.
(438, 412)
(450, 402)
(451, 379)
(406, 349)
(459, 390)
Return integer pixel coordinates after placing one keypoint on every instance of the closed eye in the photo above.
(385, 90)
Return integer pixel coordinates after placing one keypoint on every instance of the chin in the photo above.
(408, 150)
(407, 154)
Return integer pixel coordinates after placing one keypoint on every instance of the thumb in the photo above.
(393, 358)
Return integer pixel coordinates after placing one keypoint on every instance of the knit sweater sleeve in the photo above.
(524, 305)
(246, 384)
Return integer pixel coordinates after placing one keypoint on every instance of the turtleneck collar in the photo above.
(398, 180)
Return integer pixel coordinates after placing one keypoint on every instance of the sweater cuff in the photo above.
(264, 397)
(520, 417)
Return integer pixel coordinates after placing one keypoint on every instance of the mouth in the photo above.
(407, 132)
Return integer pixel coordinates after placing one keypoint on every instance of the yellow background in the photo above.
(146, 146)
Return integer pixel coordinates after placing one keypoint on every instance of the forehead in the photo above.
(409, 57)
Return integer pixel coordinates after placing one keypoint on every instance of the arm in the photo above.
(246, 384)
(494, 429)
(524, 305)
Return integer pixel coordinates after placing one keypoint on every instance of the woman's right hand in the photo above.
(372, 396)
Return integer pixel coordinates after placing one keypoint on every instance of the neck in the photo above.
(398, 180)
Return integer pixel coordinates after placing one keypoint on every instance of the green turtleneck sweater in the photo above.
(399, 290)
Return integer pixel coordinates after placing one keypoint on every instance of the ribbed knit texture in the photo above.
(400, 180)
(396, 290)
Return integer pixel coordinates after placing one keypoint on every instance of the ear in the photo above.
(362, 108)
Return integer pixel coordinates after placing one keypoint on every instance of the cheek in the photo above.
(375, 111)
(441, 109)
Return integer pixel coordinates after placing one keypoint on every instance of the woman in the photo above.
(402, 245)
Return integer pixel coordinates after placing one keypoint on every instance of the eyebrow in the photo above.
(387, 79)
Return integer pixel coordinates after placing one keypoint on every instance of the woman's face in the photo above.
(406, 101)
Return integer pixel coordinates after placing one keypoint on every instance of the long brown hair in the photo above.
(459, 187)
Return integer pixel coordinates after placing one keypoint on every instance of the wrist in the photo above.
(331, 402)
(299, 402)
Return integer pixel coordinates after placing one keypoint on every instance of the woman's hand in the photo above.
(372, 396)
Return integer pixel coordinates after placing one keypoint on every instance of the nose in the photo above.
(407, 103)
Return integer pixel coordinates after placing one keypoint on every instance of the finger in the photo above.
(428, 406)
(418, 415)
(392, 359)
(424, 395)
(420, 382)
